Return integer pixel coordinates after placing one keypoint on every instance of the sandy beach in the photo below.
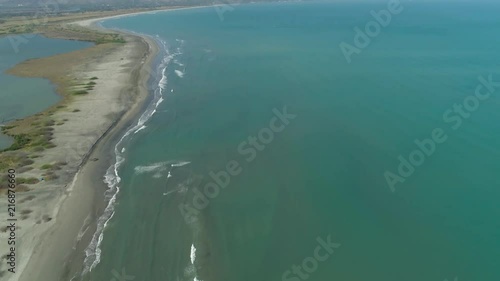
(59, 215)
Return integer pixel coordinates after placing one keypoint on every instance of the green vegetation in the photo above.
(91, 83)
(4, 165)
(49, 145)
(20, 141)
(114, 39)
(94, 78)
(80, 92)
(49, 122)
(76, 110)
(50, 176)
(27, 180)
(15, 160)
(37, 139)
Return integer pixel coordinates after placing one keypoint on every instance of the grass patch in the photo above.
(49, 123)
(46, 166)
(51, 176)
(49, 145)
(27, 180)
(80, 92)
(20, 141)
(94, 78)
(91, 83)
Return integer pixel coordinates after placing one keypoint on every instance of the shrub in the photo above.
(20, 141)
(80, 92)
(46, 167)
(27, 180)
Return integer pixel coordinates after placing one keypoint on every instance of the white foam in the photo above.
(179, 73)
(158, 168)
(180, 164)
(193, 253)
(153, 168)
(112, 178)
(193, 260)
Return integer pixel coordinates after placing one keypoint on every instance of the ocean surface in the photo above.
(16, 91)
(263, 144)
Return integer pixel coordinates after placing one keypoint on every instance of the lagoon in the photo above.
(19, 96)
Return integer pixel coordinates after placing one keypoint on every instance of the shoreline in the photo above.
(81, 200)
(89, 175)
(93, 175)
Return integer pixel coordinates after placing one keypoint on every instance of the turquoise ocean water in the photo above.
(321, 174)
(21, 97)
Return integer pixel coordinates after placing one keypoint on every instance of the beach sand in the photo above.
(50, 240)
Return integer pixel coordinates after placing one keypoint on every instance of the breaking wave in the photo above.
(112, 178)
